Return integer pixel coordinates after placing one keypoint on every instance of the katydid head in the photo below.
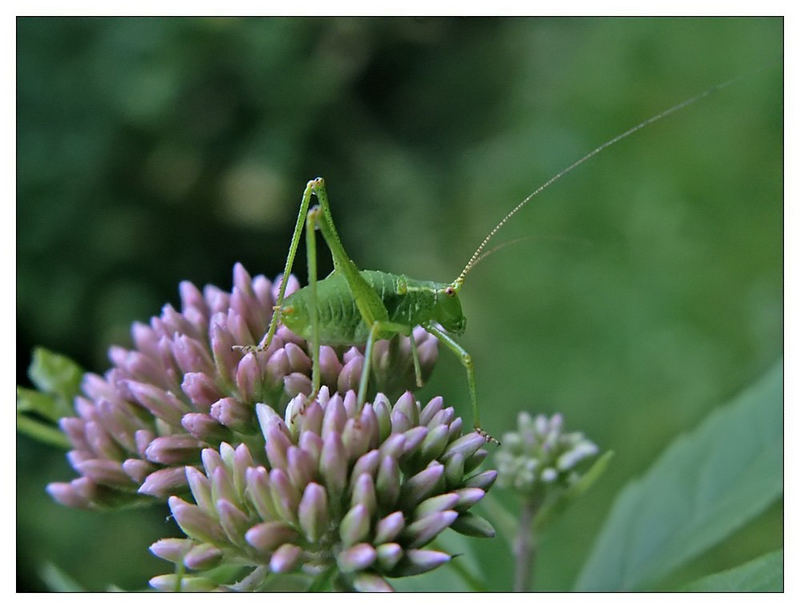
(447, 311)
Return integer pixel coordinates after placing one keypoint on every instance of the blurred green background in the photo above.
(155, 150)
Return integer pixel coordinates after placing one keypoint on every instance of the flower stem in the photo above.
(525, 546)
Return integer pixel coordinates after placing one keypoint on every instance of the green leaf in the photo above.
(704, 486)
(763, 574)
(57, 580)
(42, 432)
(30, 400)
(56, 375)
(584, 483)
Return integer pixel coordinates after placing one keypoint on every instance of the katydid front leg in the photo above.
(466, 359)
(378, 328)
(263, 345)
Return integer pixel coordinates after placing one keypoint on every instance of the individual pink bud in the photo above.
(217, 300)
(137, 469)
(296, 383)
(431, 408)
(266, 536)
(355, 526)
(408, 406)
(276, 445)
(355, 438)
(192, 356)
(298, 359)
(466, 445)
(163, 482)
(195, 523)
(204, 427)
(367, 581)
(232, 413)
(172, 450)
(364, 493)
(438, 503)
(366, 464)
(75, 428)
(389, 527)
(67, 494)
(285, 496)
(162, 404)
(191, 297)
(420, 486)
(421, 531)
(104, 471)
(285, 558)
(422, 561)
(350, 375)
(203, 556)
(356, 558)
(333, 464)
(222, 486)
(484, 480)
(414, 438)
(222, 342)
(312, 444)
(300, 467)
(389, 554)
(175, 322)
(262, 288)
(145, 339)
(335, 416)
(467, 497)
(442, 417)
(171, 549)
(248, 378)
(278, 367)
(143, 437)
(329, 366)
(312, 512)
(201, 389)
(234, 521)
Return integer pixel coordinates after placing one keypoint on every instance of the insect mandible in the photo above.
(354, 307)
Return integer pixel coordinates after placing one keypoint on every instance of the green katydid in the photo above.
(351, 307)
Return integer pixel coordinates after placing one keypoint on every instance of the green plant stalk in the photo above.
(525, 544)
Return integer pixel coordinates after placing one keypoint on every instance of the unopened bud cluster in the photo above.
(183, 388)
(328, 488)
(540, 454)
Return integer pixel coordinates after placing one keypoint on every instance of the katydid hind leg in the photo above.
(311, 252)
(369, 304)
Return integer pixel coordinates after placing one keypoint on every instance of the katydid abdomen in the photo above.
(409, 302)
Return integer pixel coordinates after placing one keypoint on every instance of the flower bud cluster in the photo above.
(331, 488)
(540, 454)
(184, 388)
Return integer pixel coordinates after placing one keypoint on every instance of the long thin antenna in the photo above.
(456, 285)
(506, 244)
